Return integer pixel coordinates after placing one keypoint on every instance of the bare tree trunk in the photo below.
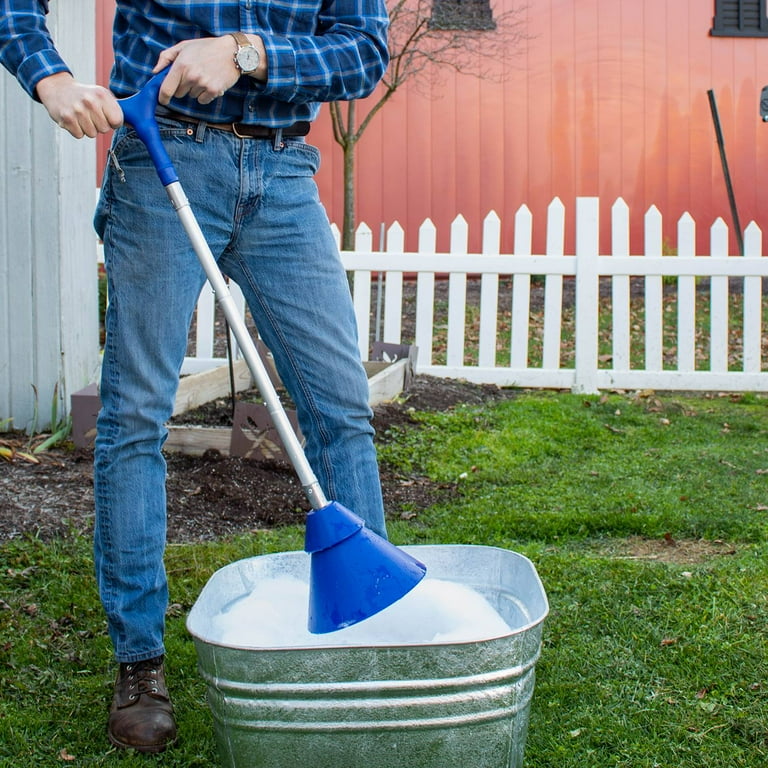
(349, 146)
(348, 226)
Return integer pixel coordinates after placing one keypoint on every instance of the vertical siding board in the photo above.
(745, 128)
(17, 364)
(610, 99)
(44, 245)
(760, 156)
(655, 116)
(5, 319)
(677, 90)
(493, 147)
(703, 161)
(387, 200)
(562, 144)
(369, 208)
(471, 155)
(633, 135)
(444, 160)
(536, 119)
(417, 197)
(722, 84)
(33, 304)
(587, 83)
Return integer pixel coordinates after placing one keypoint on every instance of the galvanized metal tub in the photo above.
(430, 706)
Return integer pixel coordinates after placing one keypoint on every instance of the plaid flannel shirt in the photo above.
(318, 50)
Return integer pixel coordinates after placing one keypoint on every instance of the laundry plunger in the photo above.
(354, 572)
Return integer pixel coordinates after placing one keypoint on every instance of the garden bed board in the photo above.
(253, 436)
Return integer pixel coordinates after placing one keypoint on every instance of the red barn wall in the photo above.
(605, 99)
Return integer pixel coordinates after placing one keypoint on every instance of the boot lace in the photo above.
(142, 678)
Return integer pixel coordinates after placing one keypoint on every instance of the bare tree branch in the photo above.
(426, 40)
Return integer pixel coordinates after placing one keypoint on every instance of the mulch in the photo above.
(212, 495)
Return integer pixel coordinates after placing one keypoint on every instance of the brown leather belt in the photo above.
(243, 130)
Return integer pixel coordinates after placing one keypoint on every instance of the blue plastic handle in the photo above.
(139, 111)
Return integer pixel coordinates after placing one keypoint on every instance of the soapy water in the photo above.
(274, 615)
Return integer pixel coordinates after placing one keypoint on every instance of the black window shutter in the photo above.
(740, 18)
(462, 14)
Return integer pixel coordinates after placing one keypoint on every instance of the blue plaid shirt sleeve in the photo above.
(344, 60)
(26, 48)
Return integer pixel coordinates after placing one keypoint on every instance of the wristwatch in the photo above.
(246, 57)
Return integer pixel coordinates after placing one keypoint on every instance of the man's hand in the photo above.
(204, 68)
(83, 110)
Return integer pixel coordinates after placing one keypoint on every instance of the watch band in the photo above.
(240, 39)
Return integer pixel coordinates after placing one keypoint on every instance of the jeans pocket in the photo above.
(297, 158)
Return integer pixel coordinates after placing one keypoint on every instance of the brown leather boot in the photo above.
(141, 716)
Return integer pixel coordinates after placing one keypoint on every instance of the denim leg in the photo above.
(154, 280)
(285, 260)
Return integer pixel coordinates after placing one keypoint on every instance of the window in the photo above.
(462, 14)
(740, 18)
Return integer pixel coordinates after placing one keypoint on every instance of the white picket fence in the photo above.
(568, 332)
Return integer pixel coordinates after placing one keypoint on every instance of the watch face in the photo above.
(248, 58)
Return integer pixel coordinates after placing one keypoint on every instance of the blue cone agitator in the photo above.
(354, 572)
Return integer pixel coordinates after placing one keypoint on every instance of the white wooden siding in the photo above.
(48, 288)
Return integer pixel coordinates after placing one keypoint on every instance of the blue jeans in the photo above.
(258, 207)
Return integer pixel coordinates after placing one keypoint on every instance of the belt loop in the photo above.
(278, 140)
(200, 133)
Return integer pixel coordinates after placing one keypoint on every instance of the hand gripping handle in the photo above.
(139, 111)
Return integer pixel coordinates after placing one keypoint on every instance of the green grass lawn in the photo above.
(645, 518)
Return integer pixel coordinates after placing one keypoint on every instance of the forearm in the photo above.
(26, 48)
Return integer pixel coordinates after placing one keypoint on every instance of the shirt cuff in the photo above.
(38, 66)
(281, 68)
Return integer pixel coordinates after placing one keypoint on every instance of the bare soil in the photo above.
(214, 495)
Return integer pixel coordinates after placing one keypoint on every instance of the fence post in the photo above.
(521, 291)
(620, 288)
(425, 296)
(686, 297)
(753, 322)
(457, 295)
(718, 297)
(553, 287)
(587, 294)
(489, 294)
(361, 291)
(393, 289)
(654, 304)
